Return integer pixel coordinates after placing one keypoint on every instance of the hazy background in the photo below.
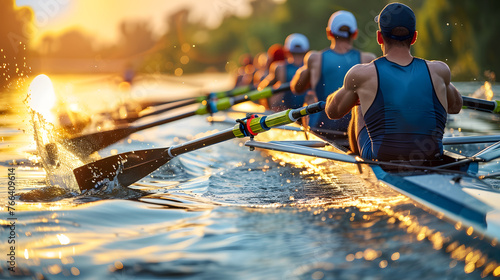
(193, 36)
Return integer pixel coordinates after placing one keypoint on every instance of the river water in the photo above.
(222, 212)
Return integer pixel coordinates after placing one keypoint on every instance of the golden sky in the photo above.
(102, 17)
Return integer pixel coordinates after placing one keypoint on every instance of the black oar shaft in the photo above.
(201, 143)
(481, 104)
(168, 107)
(160, 122)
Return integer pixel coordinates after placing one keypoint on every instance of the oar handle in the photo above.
(481, 104)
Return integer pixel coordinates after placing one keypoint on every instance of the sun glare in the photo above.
(42, 97)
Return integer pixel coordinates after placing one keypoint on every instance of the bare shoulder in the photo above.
(367, 57)
(312, 58)
(277, 65)
(439, 68)
(361, 72)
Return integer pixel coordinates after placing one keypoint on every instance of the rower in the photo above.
(274, 53)
(403, 100)
(296, 46)
(324, 71)
(245, 71)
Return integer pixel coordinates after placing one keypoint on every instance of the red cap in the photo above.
(276, 53)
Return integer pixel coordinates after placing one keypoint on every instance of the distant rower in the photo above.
(324, 71)
(296, 46)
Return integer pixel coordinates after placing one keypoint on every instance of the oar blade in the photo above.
(85, 145)
(126, 168)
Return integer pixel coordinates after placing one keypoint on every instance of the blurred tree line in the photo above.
(14, 38)
(460, 32)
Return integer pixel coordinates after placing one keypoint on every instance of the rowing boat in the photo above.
(451, 188)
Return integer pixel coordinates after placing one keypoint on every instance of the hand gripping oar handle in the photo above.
(481, 104)
(128, 168)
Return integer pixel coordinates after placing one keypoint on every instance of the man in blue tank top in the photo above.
(324, 71)
(296, 46)
(403, 100)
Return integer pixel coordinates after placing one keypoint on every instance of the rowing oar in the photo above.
(174, 104)
(481, 104)
(219, 94)
(130, 167)
(85, 145)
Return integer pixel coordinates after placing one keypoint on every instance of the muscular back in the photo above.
(361, 84)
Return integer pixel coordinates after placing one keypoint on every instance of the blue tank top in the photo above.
(406, 119)
(290, 100)
(334, 66)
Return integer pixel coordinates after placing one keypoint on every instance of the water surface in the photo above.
(225, 212)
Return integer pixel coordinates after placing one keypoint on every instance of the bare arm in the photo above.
(279, 70)
(441, 77)
(344, 99)
(270, 79)
(453, 97)
(307, 75)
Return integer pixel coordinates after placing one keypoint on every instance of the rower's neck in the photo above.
(341, 46)
(399, 55)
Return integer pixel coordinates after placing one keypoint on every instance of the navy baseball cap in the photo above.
(396, 15)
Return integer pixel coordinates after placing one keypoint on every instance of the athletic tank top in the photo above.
(334, 66)
(290, 100)
(406, 121)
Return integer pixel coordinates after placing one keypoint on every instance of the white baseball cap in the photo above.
(296, 43)
(342, 18)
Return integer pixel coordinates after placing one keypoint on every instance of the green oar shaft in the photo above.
(226, 102)
(229, 93)
(481, 104)
(130, 167)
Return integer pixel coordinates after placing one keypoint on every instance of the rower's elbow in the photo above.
(332, 112)
(334, 115)
(456, 108)
(297, 88)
